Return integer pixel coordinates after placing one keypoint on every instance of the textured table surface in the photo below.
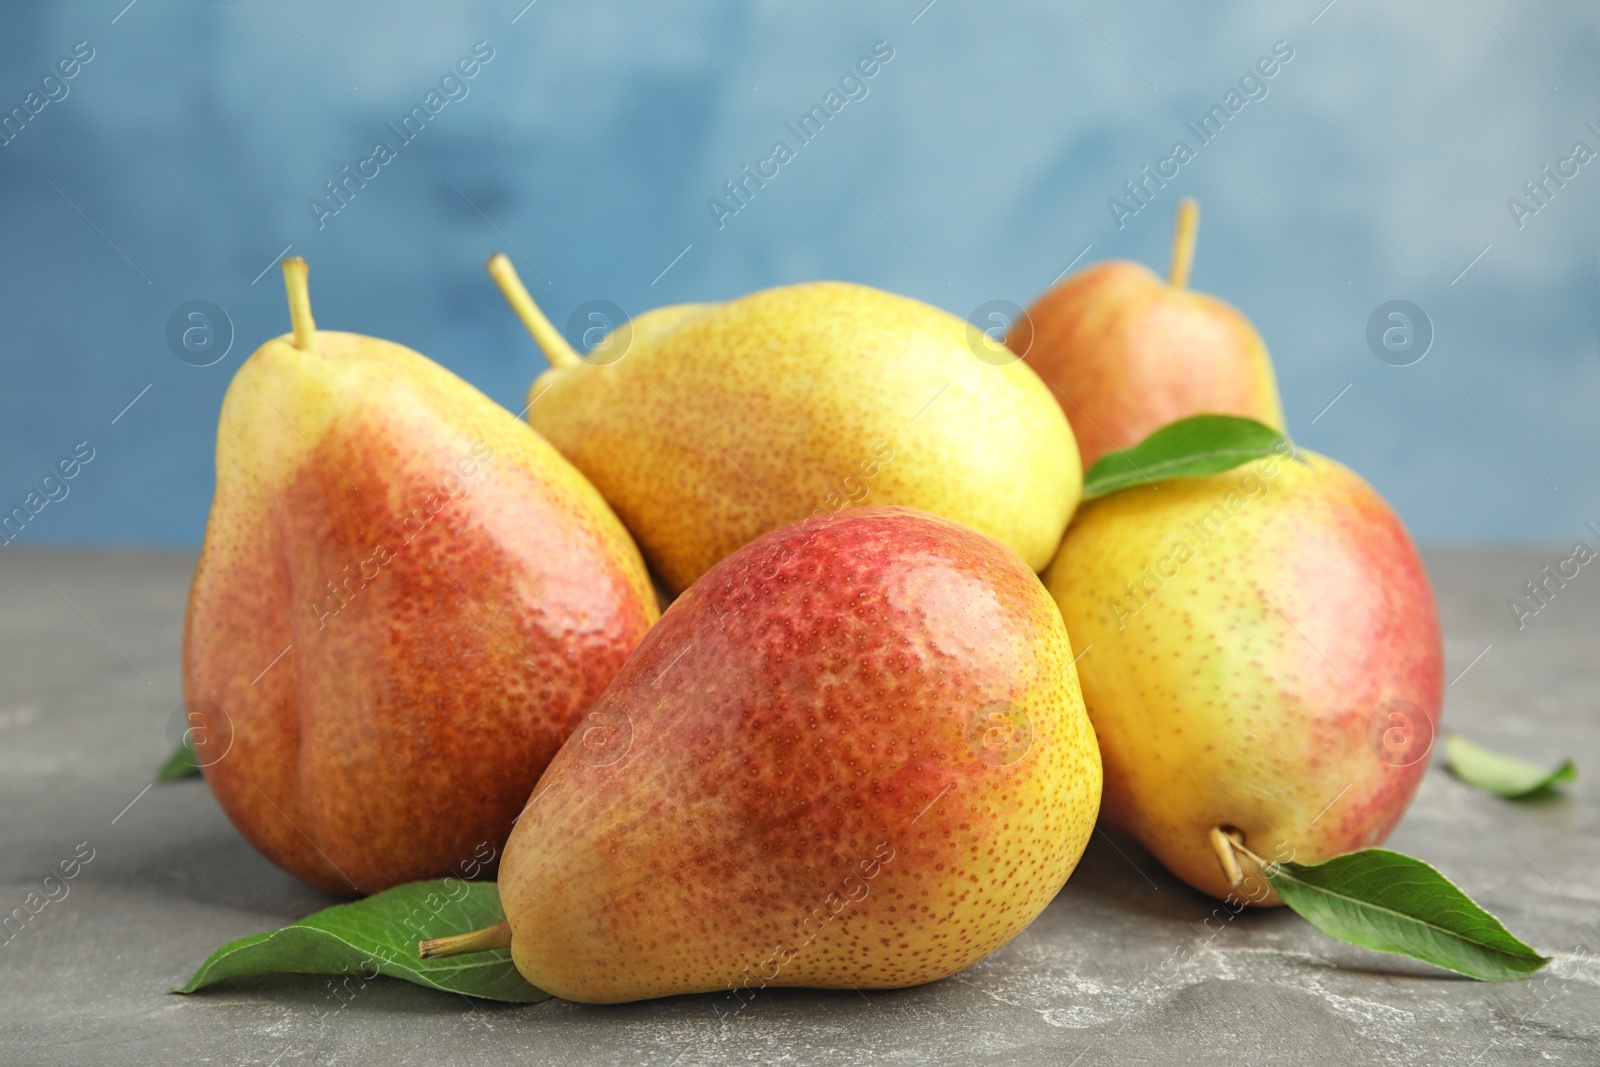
(1120, 969)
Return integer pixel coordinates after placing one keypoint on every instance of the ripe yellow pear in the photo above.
(1260, 654)
(707, 425)
(853, 755)
(405, 602)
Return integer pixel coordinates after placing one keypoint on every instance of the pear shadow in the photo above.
(211, 865)
(1121, 875)
(750, 1006)
(1118, 872)
(320, 995)
(205, 860)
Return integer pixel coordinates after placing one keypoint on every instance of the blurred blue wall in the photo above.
(178, 162)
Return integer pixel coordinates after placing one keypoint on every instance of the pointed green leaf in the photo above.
(183, 763)
(1502, 775)
(1390, 902)
(1189, 448)
(379, 935)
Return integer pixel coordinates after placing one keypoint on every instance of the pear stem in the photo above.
(1229, 846)
(1184, 232)
(556, 349)
(1223, 845)
(305, 327)
(490, 937)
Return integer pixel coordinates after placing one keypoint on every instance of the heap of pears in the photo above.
(865, 744)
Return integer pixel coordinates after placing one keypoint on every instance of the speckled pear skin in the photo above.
(725, 421)
(798, 802)
(1127, 353)
(1213, 702)
(483, 596)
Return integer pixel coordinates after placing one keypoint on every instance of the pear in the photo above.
(852, 755)
(405, 602)
(707, 425)
(1261, 657)
(1127, 353)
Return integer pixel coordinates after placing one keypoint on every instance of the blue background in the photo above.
(978, 167)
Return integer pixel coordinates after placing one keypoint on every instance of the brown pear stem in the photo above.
(1229, 846)
(295, 271)
(1184, 232)
(556, 349)
(490, 937)
(1223, 845)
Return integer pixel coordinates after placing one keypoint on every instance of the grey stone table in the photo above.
(1121, 969)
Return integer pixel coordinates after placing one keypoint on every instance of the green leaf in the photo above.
(1189, 448)
(1393, 903)
(1502, 775)
(183, 763)
(379, 935)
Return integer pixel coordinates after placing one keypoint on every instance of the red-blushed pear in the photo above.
(405, 602)
(852, 755)
(1126, 353)
(1260, 655)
